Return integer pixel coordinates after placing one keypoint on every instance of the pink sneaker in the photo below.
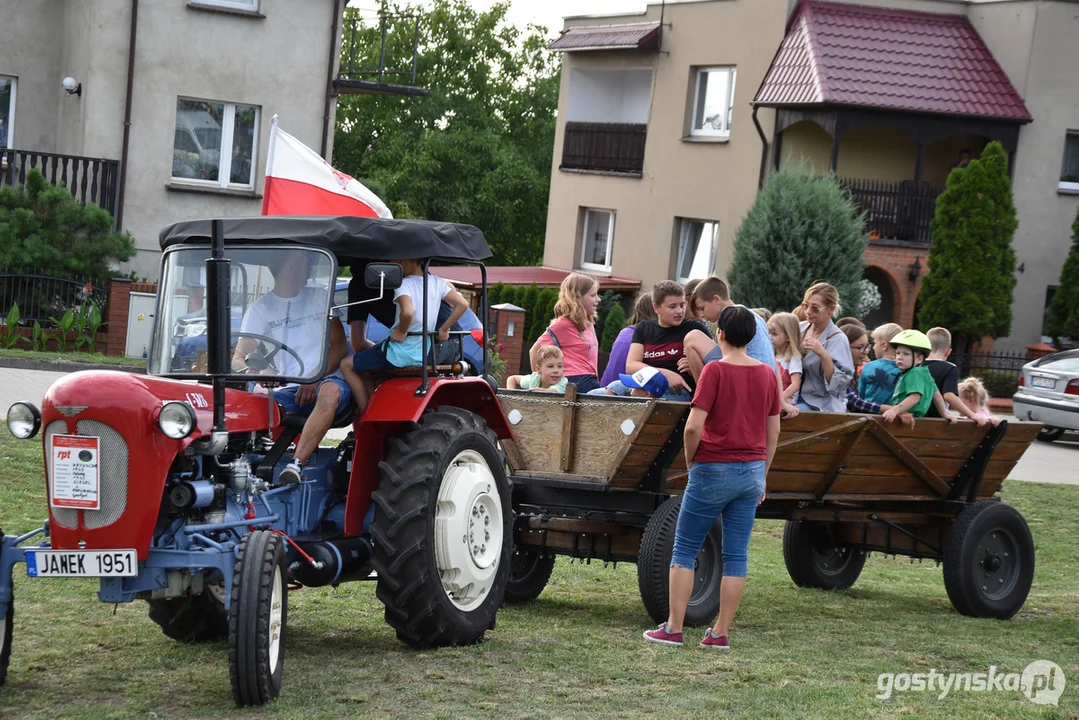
(661, 636)
(716, 643)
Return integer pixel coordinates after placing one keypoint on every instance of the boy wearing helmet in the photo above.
(916, 390)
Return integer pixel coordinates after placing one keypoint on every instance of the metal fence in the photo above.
(41, 296)
(999, 371)
(93, 180)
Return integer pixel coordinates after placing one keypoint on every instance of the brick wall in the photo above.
(512, 349)
(895, 261)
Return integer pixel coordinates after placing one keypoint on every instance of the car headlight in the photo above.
(195, 329)
(176, 420)
(23, 420)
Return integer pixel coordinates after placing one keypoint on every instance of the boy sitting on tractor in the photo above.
(293, 313)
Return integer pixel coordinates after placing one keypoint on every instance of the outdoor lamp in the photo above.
(915, 270)
(73, 86)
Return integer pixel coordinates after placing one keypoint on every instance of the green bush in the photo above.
(615, 322)
(801, 230)
(998, 383)
(971, 278)
(1063, 320)
(43, 228)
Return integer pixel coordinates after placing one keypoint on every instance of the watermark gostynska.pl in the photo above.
(1042, 682)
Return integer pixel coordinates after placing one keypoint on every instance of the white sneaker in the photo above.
(290, 474)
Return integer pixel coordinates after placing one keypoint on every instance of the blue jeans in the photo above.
(287, 397)
(585, 383)
(730, 490)
(619, 388)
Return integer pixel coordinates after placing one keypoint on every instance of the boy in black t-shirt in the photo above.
(946, 375)
(660, 343)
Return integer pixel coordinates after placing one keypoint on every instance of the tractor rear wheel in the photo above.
(257, 619)
(654, 568)
(443, 530)
(989, 561)
(6, 629)
(199, 618)
(530, 570)
(814, 560)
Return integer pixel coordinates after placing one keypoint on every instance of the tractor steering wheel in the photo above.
(259, 360)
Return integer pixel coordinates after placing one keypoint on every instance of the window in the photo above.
(597, 239)
(713, 102)
(214, 143)
(1069, 169)
(7, 111)
(698, 241)
(252, 5)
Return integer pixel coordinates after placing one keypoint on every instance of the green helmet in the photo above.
(914, 339)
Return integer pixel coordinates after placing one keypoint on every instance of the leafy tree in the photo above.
(616, 321)
(42, 227)
(971, 277)
(801, 230)
(478, 148)
(1063, 318)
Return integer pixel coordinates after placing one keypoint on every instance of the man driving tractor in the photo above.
(293, 314)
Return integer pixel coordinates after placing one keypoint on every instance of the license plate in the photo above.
(81, 563)
(1040, 381)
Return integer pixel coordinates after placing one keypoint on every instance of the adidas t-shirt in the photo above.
(665, 346)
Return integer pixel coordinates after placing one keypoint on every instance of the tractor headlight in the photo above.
(176, 420)
(23, 420)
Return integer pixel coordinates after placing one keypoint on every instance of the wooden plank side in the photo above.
(600, 442)
(569, 429)
(538, 435)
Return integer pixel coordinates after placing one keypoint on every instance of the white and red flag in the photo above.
(300, 182)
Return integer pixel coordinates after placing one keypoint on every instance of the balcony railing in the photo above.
(88, 179)
(895, 210)
(610, 147)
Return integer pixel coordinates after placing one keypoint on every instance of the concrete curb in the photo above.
(65, 366)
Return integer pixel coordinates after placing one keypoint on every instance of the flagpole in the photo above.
(269, 164)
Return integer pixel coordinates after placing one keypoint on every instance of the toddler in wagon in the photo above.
(549, 378)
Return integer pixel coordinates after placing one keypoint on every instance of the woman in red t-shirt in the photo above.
(573, 330)
(730, 440)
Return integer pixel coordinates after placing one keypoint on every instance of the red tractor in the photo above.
(167, 486)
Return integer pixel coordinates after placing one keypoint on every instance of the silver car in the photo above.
(1049, 394)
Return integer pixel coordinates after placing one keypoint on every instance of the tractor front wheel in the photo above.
(199, 618)
(257, 619)
(443, 530)
(6, 628)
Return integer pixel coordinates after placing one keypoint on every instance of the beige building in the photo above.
(199, 81)
(669, 118)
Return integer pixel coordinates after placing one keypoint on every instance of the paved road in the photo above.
(1052, 463)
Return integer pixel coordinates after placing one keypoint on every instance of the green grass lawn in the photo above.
(83, 357)
(575, 652)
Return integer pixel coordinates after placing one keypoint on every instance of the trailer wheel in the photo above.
(257, 619)
(7, 627)
(654, 567)
(1050, 434)
(530, 570)
(199, 618)
(814, 561)
(989, 561)
(443, 530)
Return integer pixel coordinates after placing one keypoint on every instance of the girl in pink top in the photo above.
(574, 331)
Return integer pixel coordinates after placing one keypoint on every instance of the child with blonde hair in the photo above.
(549, 378)
(974, 395)
(787, 341)
(573, 331)
(879, 377)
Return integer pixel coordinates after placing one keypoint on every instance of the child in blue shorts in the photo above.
(405, 345)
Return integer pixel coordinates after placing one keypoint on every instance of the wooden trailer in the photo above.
(600, 477)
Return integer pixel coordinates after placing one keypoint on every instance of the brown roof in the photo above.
(469, 275)
(839, 54)
(637, 36)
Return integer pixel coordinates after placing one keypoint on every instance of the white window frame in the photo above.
(584, 239)
(224, 167)
(683, 224)
(1072, 135)
(725, 131)
(10, 139)
(233, 4)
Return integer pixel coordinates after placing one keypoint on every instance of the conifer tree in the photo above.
(616, 321)
(971, 278)
(1063, 318)
(801, 229)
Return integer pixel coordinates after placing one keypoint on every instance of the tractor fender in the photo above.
(394, 404)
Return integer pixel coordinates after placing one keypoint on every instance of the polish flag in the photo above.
(300, 182)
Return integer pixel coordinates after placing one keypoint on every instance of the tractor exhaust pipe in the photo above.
(218, 324)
